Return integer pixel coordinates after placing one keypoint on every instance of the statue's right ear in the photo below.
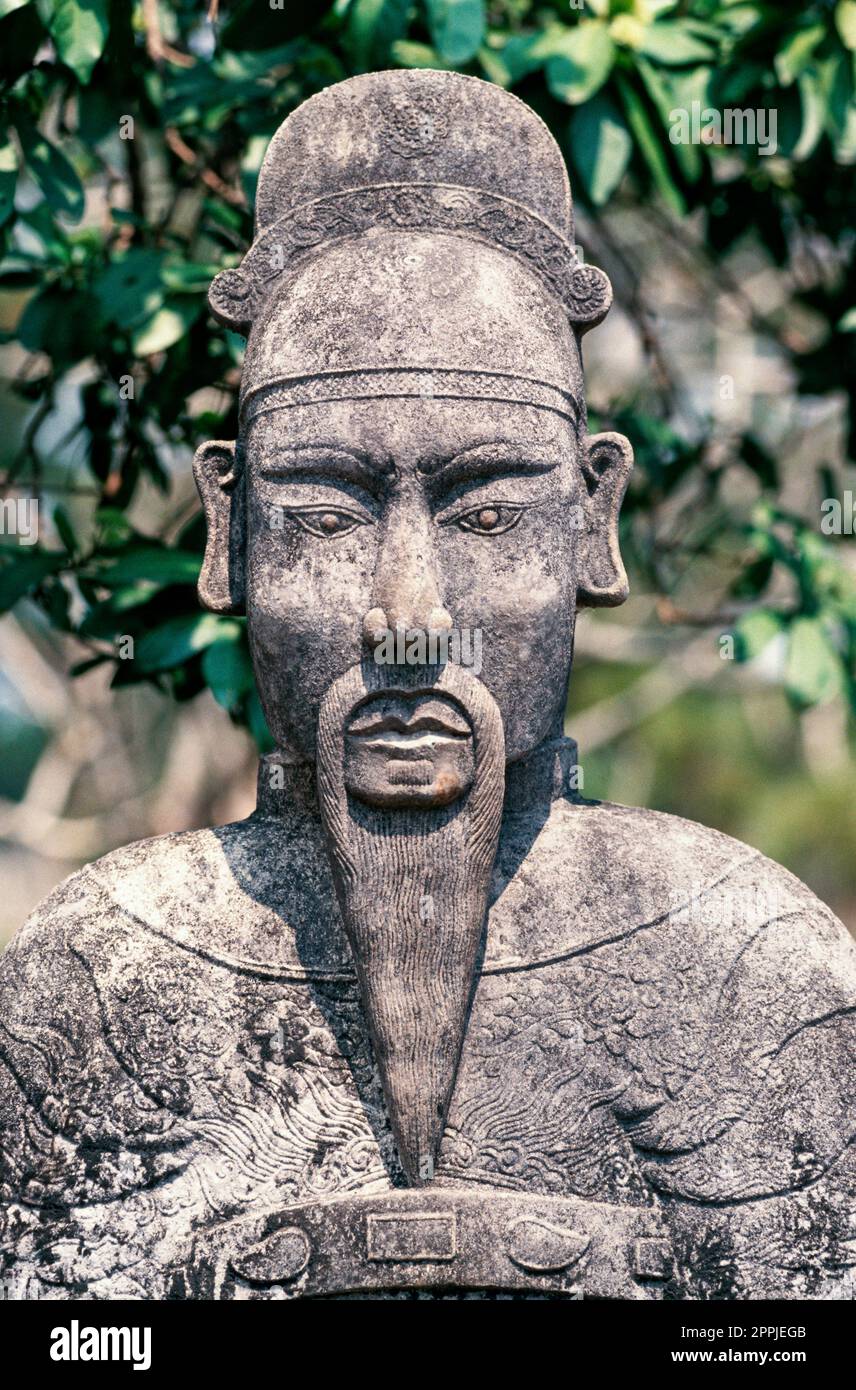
(220, 484)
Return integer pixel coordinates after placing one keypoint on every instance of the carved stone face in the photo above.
(419, 508)
(412, 500)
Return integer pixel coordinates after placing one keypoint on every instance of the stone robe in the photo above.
(660, 1051)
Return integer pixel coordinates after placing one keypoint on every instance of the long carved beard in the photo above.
(412, 885)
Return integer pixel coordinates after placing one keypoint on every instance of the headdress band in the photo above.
(366, 383)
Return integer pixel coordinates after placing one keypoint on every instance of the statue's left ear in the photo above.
(220, 484)
(606, 466)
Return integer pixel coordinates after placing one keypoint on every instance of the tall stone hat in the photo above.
(415, 151)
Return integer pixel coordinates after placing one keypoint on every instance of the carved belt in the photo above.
(442, 1239)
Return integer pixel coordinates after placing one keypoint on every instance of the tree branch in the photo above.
(180, 147)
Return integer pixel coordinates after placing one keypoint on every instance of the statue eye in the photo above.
(492, 520)
(328, 522)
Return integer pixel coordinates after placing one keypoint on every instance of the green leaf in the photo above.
(237, 66)
(22, 569)
(760, 460)
(65, 530)
(179, 639)
(165, 327)
(753, 579)
(457, 28)
(836, 86)
(783, 121)
(847, 322)
(650, 147)
(845, 22)
(674, 44)
(188, 277)
(795, 54)
(8, 176)
(514, 60)
(53, 244)
(415, 55)
(130, 289)
(601, 146)
(21, 37)
(228, 670)
(845, 145)
(114, 528)
(579, 60)
(58, 322)
(819, 560)
(53, 173)
(79, 29)
(152, 564)
(811, 102)
(670, 91)
(373, 27)
(257, 723)
(813, 672)
(107, 619)
(754, 632)
(96, 116)
(7, 6)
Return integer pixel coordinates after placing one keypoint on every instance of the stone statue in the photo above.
(428, 1023)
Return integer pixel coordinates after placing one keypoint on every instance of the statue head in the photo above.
(413, 465)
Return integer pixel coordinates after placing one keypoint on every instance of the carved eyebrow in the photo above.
(496, 459)
(313, 461)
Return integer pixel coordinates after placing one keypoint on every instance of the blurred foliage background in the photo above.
(131, 135)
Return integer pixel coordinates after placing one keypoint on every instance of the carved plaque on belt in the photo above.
(444, 1238)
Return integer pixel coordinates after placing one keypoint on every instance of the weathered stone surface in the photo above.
(427, 1023)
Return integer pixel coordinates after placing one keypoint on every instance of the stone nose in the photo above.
(406, 592)
(377, 622)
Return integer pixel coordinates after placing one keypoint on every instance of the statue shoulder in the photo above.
(238, 895)
(105, 922)
(124, 895)
(599, 872)
(87, 895)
